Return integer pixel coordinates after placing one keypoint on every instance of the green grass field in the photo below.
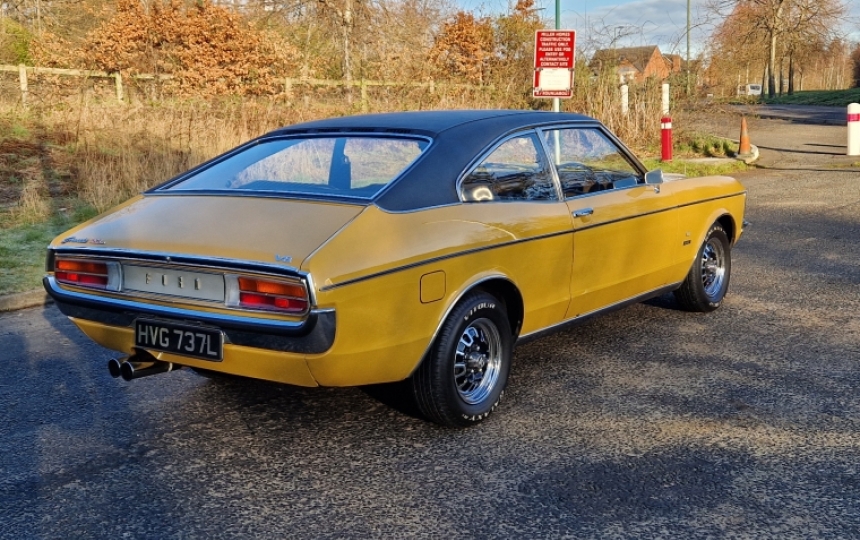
(835, 98)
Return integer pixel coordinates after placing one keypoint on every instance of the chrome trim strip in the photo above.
(619, 220)
(588, 316)
(216, 264)
(286, 195)
(628, 218)
(193, 264)
(514, 242)
(443, 258)
(738, 194)
(422, 209)
(241, 323)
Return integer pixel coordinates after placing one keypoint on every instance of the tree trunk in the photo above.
(791, 74)
(771, 60)
(347, 40)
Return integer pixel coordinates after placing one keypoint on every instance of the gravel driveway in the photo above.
(647, 423)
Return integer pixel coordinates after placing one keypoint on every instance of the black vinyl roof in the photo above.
(458, 138)
(431, 123)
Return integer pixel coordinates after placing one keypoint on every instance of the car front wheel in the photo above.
(463, 377)
(708, 280)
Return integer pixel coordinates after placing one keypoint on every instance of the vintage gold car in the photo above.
(416, 247)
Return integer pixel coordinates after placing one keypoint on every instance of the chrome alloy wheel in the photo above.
(478, 361)
(713, 268)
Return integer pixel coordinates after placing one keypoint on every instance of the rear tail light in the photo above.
(90, 274)
(267, 294)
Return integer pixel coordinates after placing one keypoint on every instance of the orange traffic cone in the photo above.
(745, 148)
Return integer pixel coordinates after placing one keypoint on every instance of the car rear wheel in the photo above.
(463, 377)
(708, 280)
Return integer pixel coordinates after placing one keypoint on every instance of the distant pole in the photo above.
(666, 138)
(625, 99)
(688, 47)
(664, 98)
(853, 129)
(556, 102)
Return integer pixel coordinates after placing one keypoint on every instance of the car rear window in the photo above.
(339, 166)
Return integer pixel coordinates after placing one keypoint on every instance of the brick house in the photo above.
(635, 64)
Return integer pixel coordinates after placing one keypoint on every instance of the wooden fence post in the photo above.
(118, 80)
(288, 87)
(22, 77)
(364, 104)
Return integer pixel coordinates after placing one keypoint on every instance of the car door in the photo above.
(512, 190)
(625, 231)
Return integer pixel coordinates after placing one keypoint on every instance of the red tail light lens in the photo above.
(92, 274)
(266, 295)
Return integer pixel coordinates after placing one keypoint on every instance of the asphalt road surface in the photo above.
(808, 114)
(647, 423)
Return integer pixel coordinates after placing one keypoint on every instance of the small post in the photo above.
(364, 104)
(665, 98)
(288, 87)
(118, 80)
(854, 129)
(625, 99)
(22, 77)
(432, 86)
(666, 139)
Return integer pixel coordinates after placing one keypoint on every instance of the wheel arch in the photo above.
(507, 292)
(727, 222)
(500, 287)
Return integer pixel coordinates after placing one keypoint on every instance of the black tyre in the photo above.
(708, 281)
(463, 377)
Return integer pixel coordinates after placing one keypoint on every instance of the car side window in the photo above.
(515, 171)
(587, 161)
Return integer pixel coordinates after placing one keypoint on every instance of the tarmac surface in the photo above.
(647, 423)
(807, 114)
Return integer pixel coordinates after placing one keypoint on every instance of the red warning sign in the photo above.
(554, 61)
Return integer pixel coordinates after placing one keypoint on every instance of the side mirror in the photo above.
(654, 177)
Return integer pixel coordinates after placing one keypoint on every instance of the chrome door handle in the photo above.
(582, 212)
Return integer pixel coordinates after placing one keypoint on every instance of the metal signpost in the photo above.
(553, 76)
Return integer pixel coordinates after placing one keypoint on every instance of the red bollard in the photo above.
(666, 139)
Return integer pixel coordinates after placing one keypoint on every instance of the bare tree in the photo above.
(786, 25)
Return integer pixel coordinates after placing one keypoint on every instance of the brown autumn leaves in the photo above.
(210, 49)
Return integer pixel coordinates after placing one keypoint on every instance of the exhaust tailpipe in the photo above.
(134, 370)
(140, 364)
(115, 367)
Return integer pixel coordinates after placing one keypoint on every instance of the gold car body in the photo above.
(389, 279)
(392, 294)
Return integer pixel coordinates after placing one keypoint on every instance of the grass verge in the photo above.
(835, 98)
(22, 250)
(696, 168)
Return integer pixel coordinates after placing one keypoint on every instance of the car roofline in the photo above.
(441, 121)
